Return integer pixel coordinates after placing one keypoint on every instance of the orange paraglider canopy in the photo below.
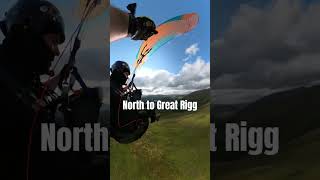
(166, 32)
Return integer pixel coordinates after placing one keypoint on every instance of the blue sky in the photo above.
(170, 56)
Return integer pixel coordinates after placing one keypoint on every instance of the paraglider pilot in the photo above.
(126, 126)
(33, 31)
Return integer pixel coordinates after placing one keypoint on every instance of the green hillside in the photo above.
(176, 147)
(202, 97)
(296, 114)
(300, 160)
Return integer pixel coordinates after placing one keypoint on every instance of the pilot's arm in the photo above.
(125, 25)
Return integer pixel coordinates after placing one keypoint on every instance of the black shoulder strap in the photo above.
(3, 28)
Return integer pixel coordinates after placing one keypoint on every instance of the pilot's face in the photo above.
(126, 74)
(51, 41)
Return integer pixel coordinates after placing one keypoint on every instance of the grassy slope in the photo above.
(300, 160)
(296, 113)
(176, 147)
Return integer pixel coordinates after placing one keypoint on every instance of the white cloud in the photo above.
(192, 50)
(191, 77)
(186, 59)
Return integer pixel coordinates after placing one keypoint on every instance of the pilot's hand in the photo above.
(141, 28)
(136, 95)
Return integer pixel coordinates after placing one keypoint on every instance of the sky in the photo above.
(175, 67)
(261, 47)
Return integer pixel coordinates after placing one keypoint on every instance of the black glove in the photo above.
(141, 28)
(135, 95)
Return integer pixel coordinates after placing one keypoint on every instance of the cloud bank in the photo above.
(269, 48)
(191, 77)
(273, 47)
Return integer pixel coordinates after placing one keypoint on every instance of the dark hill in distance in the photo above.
(200, 96)
(295, 112)
(162, 97)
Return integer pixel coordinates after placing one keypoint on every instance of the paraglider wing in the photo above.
(166, 32)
